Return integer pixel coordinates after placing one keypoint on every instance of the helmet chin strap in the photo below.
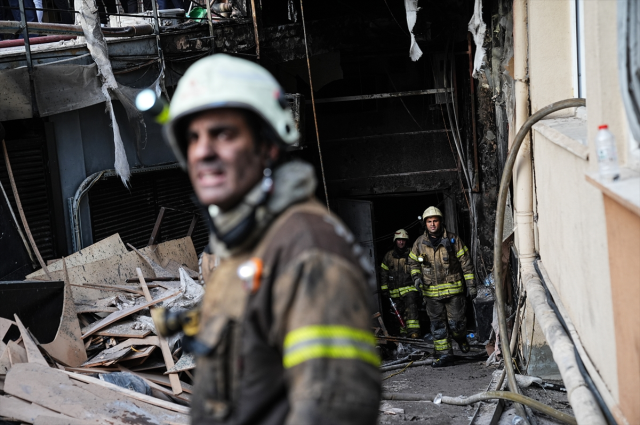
(239, 233)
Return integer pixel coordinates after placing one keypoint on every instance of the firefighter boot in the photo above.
(443, 361)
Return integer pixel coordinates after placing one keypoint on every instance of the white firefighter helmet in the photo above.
(400, 234)
(431, 212)
(223, 81)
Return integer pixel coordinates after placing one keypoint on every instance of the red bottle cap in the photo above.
(603, 126)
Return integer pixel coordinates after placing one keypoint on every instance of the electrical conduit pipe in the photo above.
(582, 400)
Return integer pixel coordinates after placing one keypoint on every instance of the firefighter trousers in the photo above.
(448, 321)
(409, 307)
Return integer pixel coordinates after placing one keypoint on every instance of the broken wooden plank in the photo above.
(183, 396)
(83, 308)
(120, 351)
(100, 401)
(123, 288)
(153, 279)
(67, 346)
(163, 380)
(135, 354)
(132, 394)
(5, 324)
(157, 268)
(156, 227)
(180, 250)
(98, 251)
(24, 411)
(124, 330)
(5, 361)
(186, 362)
(114, 317)
(33, 353)
(50, 420)
(17, 353)
(164, 345)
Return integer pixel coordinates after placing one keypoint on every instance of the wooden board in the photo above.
(114, 317)
(164, 346)
(23, 411)
(123, 329)
(33, 353)
(186, 362)
(5, 324)
(180, 250)
(50, 420)
(67, 346)
(183, 396)
(5, 361)
(83, 308)
(119, 351)
(98, 251)
(157, 268)
(140, 354)
(163, 380)
(132, 394)
(99, 402)
(17, 353)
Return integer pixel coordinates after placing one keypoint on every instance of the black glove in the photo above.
(473, 292)
(418, 282)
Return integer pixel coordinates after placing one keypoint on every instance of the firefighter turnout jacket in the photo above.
(285, 332)
(396, 273)
(445, 268)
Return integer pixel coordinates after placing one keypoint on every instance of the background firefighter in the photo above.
(397, 283)
(284, 334)
(441, 266)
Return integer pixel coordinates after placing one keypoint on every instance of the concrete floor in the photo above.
(461, 379)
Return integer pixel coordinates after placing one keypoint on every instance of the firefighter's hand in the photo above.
(473, 292)
(418, 282)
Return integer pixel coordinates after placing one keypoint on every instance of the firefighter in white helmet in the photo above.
(397, 284)
(442, 268)
(284, 334)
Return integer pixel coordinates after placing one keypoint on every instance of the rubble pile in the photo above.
(107, 363)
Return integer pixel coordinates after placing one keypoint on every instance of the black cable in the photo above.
(603, 406)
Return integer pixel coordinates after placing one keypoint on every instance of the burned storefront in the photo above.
(392, 125)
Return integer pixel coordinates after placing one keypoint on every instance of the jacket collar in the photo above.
(293, 182)
(427, 239)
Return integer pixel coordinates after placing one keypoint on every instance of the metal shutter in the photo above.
(29, 165)
(133, 212)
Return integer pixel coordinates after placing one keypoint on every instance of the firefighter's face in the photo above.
(401, 243)
(433, 224)
(224, 163)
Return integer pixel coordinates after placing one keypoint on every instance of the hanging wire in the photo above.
(313, 104)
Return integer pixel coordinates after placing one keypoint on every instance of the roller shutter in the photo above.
(133, 212)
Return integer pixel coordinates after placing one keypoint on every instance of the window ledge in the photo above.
(568, 133)
(625, 191)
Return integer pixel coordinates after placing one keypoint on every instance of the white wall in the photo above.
(571, 226)
(573, 246)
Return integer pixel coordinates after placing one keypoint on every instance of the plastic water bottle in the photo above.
(607, 154)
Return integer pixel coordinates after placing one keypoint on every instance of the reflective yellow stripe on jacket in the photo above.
(384, 266)
(406, 289)
(444, 289)
(413, 256)
(461, 252)
(469, 276)
(331, 342)
(394, 293)
(415, 272)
